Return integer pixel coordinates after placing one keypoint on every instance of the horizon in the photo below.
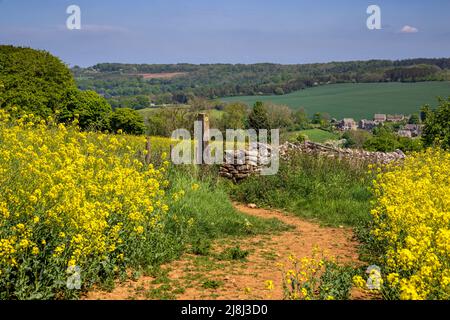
(255, 63)
(245, 32)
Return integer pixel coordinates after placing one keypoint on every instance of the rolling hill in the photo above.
(359, 100)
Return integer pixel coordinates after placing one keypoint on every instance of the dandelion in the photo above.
(269, 285)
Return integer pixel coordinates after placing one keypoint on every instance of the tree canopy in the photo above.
(437, 124)
(127, 120)
(33, 80)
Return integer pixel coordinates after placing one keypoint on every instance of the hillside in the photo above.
(129, 85)
(359, 101)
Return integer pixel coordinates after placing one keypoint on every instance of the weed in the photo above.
(234, 253)
(212, 284)
(201, 246)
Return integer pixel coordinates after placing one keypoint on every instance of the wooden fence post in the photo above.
(203, 143)
(148, 147)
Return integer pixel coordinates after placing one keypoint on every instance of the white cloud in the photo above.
(409, 29)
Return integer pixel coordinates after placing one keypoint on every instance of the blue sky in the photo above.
(228, 31)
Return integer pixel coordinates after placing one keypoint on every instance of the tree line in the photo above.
(34, 81)
(119, 82)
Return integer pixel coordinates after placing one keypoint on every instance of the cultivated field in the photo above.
(360, 100)
(162, 75)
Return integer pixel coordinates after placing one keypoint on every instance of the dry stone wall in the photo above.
(241, 164)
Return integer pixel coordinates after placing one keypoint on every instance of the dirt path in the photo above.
(209, 277)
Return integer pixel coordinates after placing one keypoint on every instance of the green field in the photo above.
(360, 100)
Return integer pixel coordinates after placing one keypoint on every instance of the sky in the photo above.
(228, 31)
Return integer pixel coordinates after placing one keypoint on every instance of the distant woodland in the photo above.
(140, 85)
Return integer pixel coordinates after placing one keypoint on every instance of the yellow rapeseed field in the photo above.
(72, 199)
(412, 223)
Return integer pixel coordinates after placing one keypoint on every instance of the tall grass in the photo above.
(331, 191)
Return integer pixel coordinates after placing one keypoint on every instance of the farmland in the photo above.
(92, 207)
(361, 100)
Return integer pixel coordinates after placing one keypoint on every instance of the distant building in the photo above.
(414, 129)
(395, 117)
(347, 124)
(379, 118)
(367, 124)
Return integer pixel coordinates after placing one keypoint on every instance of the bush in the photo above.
(91, 109)
(127, 120)
(356, 138)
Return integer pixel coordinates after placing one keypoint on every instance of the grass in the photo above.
(212, 284)
(234, 253)
(315, 135)
(212, 211)
(360, 100)
(327, 190)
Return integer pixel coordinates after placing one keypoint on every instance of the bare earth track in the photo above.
(207, 277)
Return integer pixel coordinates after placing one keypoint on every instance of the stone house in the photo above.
(379, 118)
(347, 124)
(367, 124)
(395, 117)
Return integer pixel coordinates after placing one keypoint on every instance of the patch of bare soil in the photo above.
(162, 75)
(209, 277)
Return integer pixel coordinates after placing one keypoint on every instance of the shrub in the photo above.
(91, 109)
(127, 120)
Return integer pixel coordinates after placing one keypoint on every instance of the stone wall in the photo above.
(340, 153)
(241, 164)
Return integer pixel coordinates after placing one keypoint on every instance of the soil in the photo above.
(195, 277)
(164, 75)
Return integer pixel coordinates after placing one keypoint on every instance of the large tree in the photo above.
(33, 80)
(280, 116)
(234, 116)
(258, 118)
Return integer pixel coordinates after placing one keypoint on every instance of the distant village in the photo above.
(407, 130)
